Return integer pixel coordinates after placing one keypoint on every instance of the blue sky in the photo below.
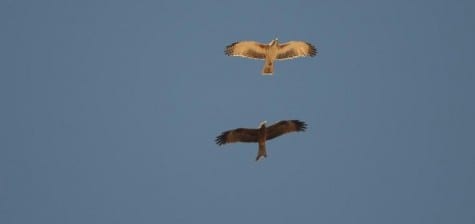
(110, 110)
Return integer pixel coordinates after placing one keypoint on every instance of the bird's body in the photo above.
(261, 134)
(270, 52)
(262, 137)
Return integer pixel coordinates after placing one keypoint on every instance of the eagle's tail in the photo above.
(268, 68)
(262, 151)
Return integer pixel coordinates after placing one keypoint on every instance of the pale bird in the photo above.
(271, 51)
(261, 134)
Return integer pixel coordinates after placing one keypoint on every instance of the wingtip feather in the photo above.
(229, 49)
(313, 50)
(301, 126)
(221, 139)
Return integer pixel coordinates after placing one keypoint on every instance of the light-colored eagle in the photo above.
(261, 134)
(271, 51)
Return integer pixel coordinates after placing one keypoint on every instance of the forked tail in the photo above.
(262, 151)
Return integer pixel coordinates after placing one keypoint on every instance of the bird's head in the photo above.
(263, 123)
(274, 42)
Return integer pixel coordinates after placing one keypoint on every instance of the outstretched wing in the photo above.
(295, 49)
(237, 135)
(283, 127)
(247, 49)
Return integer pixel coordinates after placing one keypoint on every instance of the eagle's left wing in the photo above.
(284, 127)
(247, 49)
(295, 49)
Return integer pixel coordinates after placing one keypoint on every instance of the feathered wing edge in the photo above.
(295, 49)
(247, 49)
(284, 127)
(237, 135)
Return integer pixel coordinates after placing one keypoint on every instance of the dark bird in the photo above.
(271, 51)
(261, 134)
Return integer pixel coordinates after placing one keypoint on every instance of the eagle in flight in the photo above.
(271, 51)
(261, 134)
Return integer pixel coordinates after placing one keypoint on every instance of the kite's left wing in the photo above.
(283, 127)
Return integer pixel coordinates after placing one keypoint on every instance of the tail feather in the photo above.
(262, 152)
(268, 68)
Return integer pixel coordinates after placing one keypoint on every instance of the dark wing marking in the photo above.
(295, 49)
(283, 127)
(237, 135)
(247, 49)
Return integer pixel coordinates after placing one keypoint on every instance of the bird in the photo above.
(271, 51)
(261, 134)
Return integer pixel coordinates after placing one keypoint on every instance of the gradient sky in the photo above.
(109, 111)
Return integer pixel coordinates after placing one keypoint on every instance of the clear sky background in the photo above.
(109, 111)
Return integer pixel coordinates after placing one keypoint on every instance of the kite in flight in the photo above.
(271, 51)
(261, 134)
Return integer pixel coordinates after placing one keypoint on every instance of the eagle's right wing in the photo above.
(247, 49)
(295, 49)
(237, 135)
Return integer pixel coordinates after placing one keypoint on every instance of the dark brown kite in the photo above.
(261, 134)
